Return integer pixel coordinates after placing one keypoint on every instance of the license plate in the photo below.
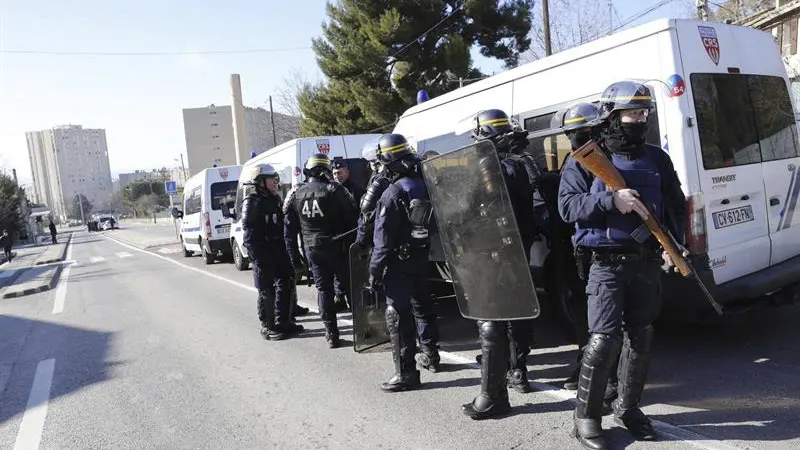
(223, 228)
(733, 216)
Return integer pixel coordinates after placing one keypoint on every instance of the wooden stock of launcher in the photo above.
(591, 157)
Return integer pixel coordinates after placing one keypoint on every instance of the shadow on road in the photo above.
(80, 359)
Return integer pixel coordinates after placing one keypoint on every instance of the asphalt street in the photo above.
(148, 349)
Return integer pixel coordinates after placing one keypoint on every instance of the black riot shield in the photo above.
(369, 307)
(479, 234)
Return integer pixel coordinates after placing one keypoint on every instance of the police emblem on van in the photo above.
(709, 37)
(324, 146)
(223, 173)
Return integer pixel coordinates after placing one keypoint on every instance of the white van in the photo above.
(724, 115)
(203, 228)
(289, 159)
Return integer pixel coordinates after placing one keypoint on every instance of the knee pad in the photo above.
(602, 349)
(491, 331)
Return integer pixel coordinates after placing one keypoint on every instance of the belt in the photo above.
(624, 255)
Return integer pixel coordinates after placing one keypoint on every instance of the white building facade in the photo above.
(67, 161)
(209, 134)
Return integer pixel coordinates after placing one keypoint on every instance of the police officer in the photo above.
(624, 280)
(262, 222)
(503, 359)
(321, 209)
(378, 182)
(580, 124)
(400, 263)
(342, 175)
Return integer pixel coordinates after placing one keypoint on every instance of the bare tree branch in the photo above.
(293, 84)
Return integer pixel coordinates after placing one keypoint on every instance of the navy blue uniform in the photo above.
(400, 259)
(520, 191)
(339, 286)
(378, 183)
(263, 225)
(355, 190)
(321, 210)
(616, 288)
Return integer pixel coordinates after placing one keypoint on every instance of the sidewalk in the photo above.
(35, 269)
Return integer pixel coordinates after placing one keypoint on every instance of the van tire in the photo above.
(208, 257)
(186, 253)
(239, 261)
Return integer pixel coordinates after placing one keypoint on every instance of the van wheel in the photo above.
(186, 253)
(239, 261)
(208, 257)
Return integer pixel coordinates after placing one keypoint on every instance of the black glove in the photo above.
(375, 279)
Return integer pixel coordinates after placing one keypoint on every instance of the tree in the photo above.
(9, 205)
(148, 204)
(737, 9)
(76, 207)
(291, 87)
(376, 55)
(137, 189)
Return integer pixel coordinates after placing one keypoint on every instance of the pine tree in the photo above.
(376, 55)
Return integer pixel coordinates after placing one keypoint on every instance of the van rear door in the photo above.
(730, 175)
(780, 155)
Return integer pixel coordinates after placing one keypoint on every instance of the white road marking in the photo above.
(124, 255)
(96, 259)
(675, 432)
(61, 290)
(29, 435)
(168, 250)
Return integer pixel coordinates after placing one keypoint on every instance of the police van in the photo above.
(724, 115)
(203, 228)
(288, 160)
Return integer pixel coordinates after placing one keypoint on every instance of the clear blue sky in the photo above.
(138, 99)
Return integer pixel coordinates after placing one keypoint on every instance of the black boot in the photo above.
(299, 311)
(634, 364)
(493, 399)
(406, 375)
(266, 313)
(597, 360)
(428, 358)
(332, 333)
(285, 322)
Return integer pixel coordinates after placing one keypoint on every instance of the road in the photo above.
(148, 349)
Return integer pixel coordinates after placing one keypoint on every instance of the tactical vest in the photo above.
(274, 217)
(414, 198)
(627, 230)
(314, 204)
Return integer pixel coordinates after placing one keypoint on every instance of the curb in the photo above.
(11, 292)
(35, 290)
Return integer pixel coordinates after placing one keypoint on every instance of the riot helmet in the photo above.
(258, 174)
(495, 125)
(396, 154)
(370, 152)
(625, 95)
(318, 165)
(578, 122)
(626, 106)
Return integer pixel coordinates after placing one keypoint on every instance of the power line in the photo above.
(208, 52)
(455, 10)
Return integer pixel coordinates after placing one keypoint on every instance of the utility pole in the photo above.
(80, 202)
(610, 16)
(272, 121)
(548, 50)
(184, 169)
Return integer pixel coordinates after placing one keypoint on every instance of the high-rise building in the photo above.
(67, 161)
(209, 134)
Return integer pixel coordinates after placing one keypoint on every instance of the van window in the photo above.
(193, 202)
(224, 191)
(743, 119)
(239, 199)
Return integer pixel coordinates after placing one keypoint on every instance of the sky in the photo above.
(138, 99)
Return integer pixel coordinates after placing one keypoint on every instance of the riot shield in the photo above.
(369, 307)
(479, 234)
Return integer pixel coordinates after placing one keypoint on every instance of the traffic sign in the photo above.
(171, 187)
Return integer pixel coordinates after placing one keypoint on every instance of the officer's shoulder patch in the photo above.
(332, 187)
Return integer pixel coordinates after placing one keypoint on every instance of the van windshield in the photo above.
(743, 119)
(224, 191)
